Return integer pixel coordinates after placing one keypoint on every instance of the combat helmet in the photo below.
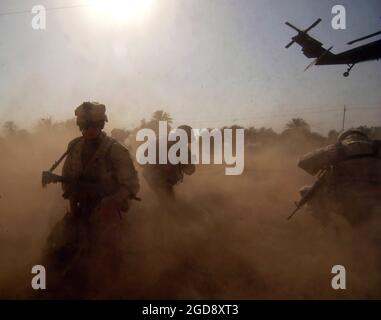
(91, 113)
(352, 132)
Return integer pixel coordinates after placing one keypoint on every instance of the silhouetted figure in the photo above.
(99, 179)
(352, 186)
(162, 178)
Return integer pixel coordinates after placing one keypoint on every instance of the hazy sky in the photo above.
(206, 62)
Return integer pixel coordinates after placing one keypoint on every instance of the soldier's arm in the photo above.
(125, 172)
(320, 159)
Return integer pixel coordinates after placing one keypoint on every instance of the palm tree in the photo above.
(297, 124)
(160, 115)
(157, 116)
(9, 128)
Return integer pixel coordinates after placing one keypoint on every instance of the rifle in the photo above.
(49, 177)
(310, 193)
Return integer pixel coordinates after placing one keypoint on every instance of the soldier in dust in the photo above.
(99, 182)
(163, 178)
(120, 135)
(352, 186)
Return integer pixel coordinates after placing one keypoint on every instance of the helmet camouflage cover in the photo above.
(91, 112)
(352, 132)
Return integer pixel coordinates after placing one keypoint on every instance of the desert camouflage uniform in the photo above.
(104, 167)
(353, 184)
(104, 161)
(162, 178)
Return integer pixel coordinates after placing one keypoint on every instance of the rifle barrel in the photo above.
(293, 212)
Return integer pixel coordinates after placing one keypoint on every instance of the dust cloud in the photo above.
(225, 237)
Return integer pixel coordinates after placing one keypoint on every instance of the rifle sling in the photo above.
(70, 147)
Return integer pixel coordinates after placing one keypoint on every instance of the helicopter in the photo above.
(312, 48)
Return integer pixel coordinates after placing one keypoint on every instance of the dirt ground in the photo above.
(225, 237)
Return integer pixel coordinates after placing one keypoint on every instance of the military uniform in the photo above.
(96, 171)
(162, 178)
(352, 184)
(104, 161)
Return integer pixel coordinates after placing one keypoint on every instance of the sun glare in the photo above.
(122, 10)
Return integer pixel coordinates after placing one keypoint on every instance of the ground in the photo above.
(226, 237)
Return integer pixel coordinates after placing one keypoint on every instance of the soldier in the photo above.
(120, 135)
(99, 179)
(162, 178)
(352, 182)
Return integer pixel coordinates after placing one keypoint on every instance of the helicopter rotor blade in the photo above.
(301, 31)
(313, 25)
(293, 27)
(364, 38)
(290, 44)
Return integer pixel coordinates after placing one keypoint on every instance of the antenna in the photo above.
(344, 112)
